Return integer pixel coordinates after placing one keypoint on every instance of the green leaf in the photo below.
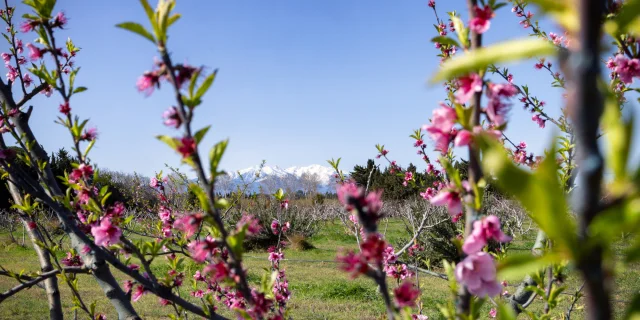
(633, 312)
(517, 266)
(200, 134)
(171, 142)
(236, 240)
(540, 192)
(476, 60)
(565, 14)
(79, 89)
(173, 19)
(148, 10)
(463, 33)
(215, 155)
(206, 84)
(201, 195)
(279, 195)
(618, 134)
(445, 40)
(505, 312)
(138, 29)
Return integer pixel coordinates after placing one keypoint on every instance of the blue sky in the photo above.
(299, 82)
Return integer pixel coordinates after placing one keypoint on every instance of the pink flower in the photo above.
(34, 52)
(478, 273)
(480, 23)
(218, 271)
(353, 263)
(47, 91)
(197, 294)
(60, 19)
(442, 123)
(483, 230)
(428, 194)
(467, 87)
(284, 204)
(353, 197)
(493, 313)
(286, 227)
(406, 294)
(6, 57)
(71, 260)
(164, 302)
(449, 198)
(198, 276)
(85, 250)
(252, 223)
(12, 74)
(187, 147)
(388, 256)
(127, 285)
(432, 3)
(153, 183)
(172, 118)
(27, 26)
(408, 176)
(497, 109)
(26, 79)
(373, 248)
(463, 138)
(83, 171)
(89, 135)
(541, 122)
(105, 233)
(147, 82)
(626, 68)
(164, 214)
(138, 293)
(275, 226)
(419, 317)
(188, 224)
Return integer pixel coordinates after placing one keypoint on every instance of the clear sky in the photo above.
(299, 82)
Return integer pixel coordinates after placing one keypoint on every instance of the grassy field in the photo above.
(319, 289)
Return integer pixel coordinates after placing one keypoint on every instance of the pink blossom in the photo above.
(188, 224)
(85, 250)
(138, 293)
(198, 276)
(419, 317)
(34, 52)
(6, 57)
(480, 23)
(428, 194)
(72, 260)
(497, 109)
(127, 285)
(164, 214)
(105, 233)
(27, 26)
(252, 223)
(478, 273)
(163, 302)
(218, 271)
(449, 198)
(26, 79)
(47, 91)
(147, 82)
(541, 122)
(408, 176)
(187, 147)
(12, 74)
(153, 183)
(627, 69)
(83, 171)
(388, 256)
(493, 313)
(467, 87)
(432, 3)
(284, 204)
(442, 123)
(371, 204)
(197, 294)
(353, 263)
(275, 226)
(286, 227)
(483, 230)
(89, 135)
(172, 117)
(406, 294)
(60, 19)
(463, 138)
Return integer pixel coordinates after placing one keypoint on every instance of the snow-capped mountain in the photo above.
(313, 178)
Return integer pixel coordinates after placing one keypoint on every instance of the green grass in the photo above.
(319, 289)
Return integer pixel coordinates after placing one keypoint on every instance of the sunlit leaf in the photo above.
(476, 60)
(138, 29)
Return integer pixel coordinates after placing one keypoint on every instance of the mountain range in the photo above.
(312, 178)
